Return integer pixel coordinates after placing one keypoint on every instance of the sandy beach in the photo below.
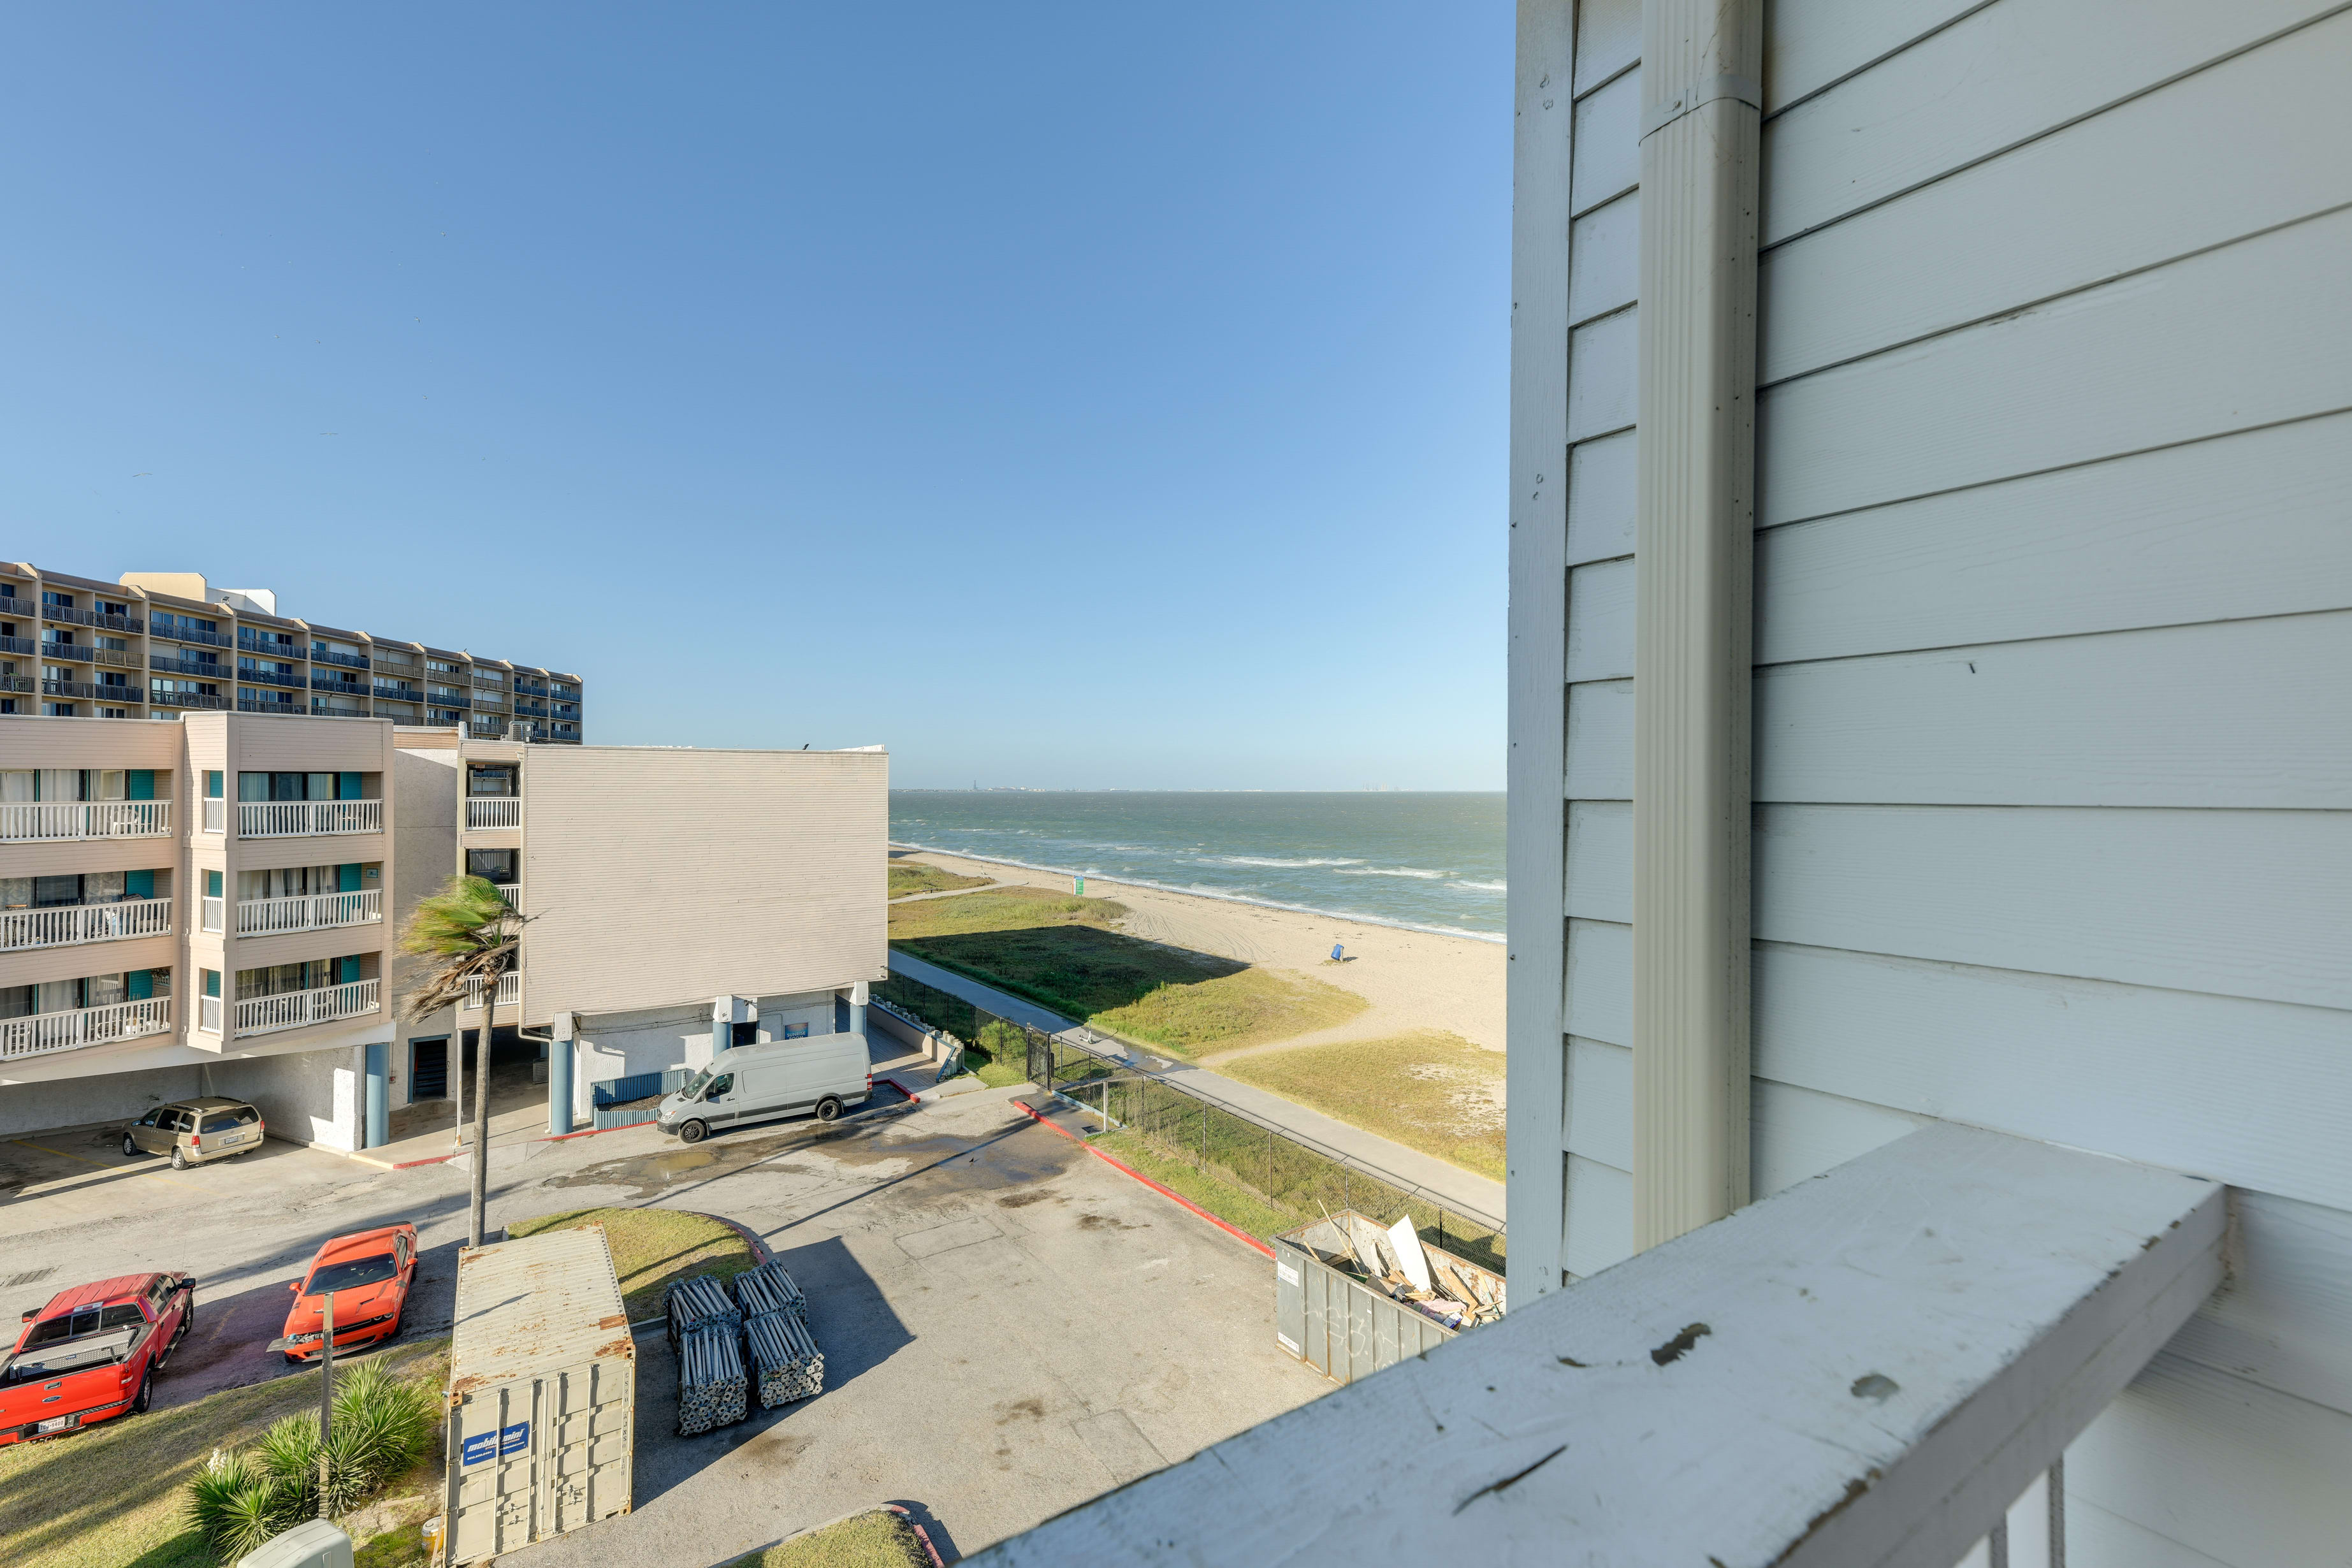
(1413, 980)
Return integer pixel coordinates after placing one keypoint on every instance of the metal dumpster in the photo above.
(541, 1396)
(1337, 1325)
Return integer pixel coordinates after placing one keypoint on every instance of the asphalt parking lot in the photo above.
(1010, 1326)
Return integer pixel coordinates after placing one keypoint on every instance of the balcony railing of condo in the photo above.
(393, 692)
(570, 693)
(486, 727)
(528, 688)
(42, 1032)
(306, 912)
(307, 818)
(254, 705)
(73, 652)
(328, 655)
(80, 617)
(254, 640)
(207, 669)
(19, 644)
(66, 925)
(442, 698)
(322, 680)
(167, 698)
(15, 683)
(176, 633)
(509, 992)
(293, 1009)
(84, 689)
(253, 677)
(34, 821)
(493, 811)
(566, 710)
(535, 710)
(511, 892)
(320, 709)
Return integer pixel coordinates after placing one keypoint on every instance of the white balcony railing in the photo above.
(293, 1009)
(31, 820)
(510, 990)
(46, 1031)
(71, 923)
(208, 1014)
(302, 818)
(306, 912)
(511, 892)
(210, 915)
(493, 811)
(215, 816)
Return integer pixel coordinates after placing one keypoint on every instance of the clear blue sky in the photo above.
(1064, 395)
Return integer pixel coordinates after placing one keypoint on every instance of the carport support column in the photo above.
(1694, 659)
(376, 1098)
(559, 1076)
(858, 996)
(723, 1025)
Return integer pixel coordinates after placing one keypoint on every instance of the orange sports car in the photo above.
(368, 1273)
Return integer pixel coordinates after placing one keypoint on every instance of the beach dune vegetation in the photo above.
(1427, 1090)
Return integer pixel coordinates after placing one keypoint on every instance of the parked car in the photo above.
(195, 1131)
(370, 1273)
(92, 1354)
(823, 1073)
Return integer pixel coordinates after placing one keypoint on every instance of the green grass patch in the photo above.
(1429, 1090)
(117, 1494)
(1236, 1204)
(879, 1538)
(652, 1246)
(915, 877)
(1254, 1007)
(1000, 909)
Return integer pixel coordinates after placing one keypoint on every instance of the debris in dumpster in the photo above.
(784, 1353)
(1397, 1263)
(1406, 1243)
(697, 1303)
(711, 1384)
(768, 1288)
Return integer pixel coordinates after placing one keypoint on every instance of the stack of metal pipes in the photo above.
(790, 1365)
(698, 1302)
(711, 1391)
(768, 1288)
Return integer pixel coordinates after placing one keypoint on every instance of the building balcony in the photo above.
(529, 689)
(448, 699)
(511, 892)
(486, 727)
(86, 690)
(509, 992)
(297, 1009)
(203, 670)
(45, 1032)
(397, 693)
(307, 818)
(64, 616)
(66, 925)
(19, 644)
(79, 653)
(253, 705)
(252, 677)
(322, 680)
(189, 699)
(485, 812)
(347, 660)
(195, 634)
(306, 912)
(40, 821)
(533, 710)
(320, 709)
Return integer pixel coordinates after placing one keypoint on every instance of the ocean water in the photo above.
(1425, 862)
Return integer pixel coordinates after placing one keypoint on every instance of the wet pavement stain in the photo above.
(1014, 1156)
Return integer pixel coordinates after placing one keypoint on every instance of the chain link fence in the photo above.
(1278, 1180)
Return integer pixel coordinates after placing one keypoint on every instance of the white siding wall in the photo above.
(2053, 731)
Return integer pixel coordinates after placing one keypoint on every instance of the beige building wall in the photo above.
(655, 876)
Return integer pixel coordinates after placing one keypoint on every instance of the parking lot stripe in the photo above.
(62, 1154)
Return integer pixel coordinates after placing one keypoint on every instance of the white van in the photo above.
(823, 1073)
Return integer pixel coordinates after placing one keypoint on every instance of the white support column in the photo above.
(1535, 835)
(1702, 119)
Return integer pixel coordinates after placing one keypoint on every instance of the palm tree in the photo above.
(469, 937)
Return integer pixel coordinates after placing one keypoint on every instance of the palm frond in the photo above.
(467, 931)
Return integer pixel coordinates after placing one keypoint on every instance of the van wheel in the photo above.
(179, 1158)
(130, 1147)
(827, 1109)
(692, 1132)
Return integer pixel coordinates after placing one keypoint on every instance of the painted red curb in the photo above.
(920, 1533)
(1235, 1231)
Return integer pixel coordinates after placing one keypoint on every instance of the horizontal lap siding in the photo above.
(2054, 740)
(1594, 1121)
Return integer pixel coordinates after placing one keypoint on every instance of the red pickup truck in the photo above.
(92, 1352)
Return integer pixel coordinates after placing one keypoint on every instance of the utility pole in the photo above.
(326, 1400)
(476, 1001)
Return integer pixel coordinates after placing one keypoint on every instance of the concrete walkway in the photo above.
(1473, 1195)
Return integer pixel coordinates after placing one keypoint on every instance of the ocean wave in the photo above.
(1471, 886)
(1286, 865)
(1414, 871)
(1427, 928)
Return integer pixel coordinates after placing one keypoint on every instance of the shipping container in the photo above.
(542, 1394)
(1339, 1324)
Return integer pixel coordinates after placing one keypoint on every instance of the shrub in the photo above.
(383, 1426)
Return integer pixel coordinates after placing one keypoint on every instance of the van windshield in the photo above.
(696, 1084)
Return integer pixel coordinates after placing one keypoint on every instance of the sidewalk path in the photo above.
(1475, 1196)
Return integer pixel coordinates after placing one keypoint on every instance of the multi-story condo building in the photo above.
(160, 643)
(213, 906)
